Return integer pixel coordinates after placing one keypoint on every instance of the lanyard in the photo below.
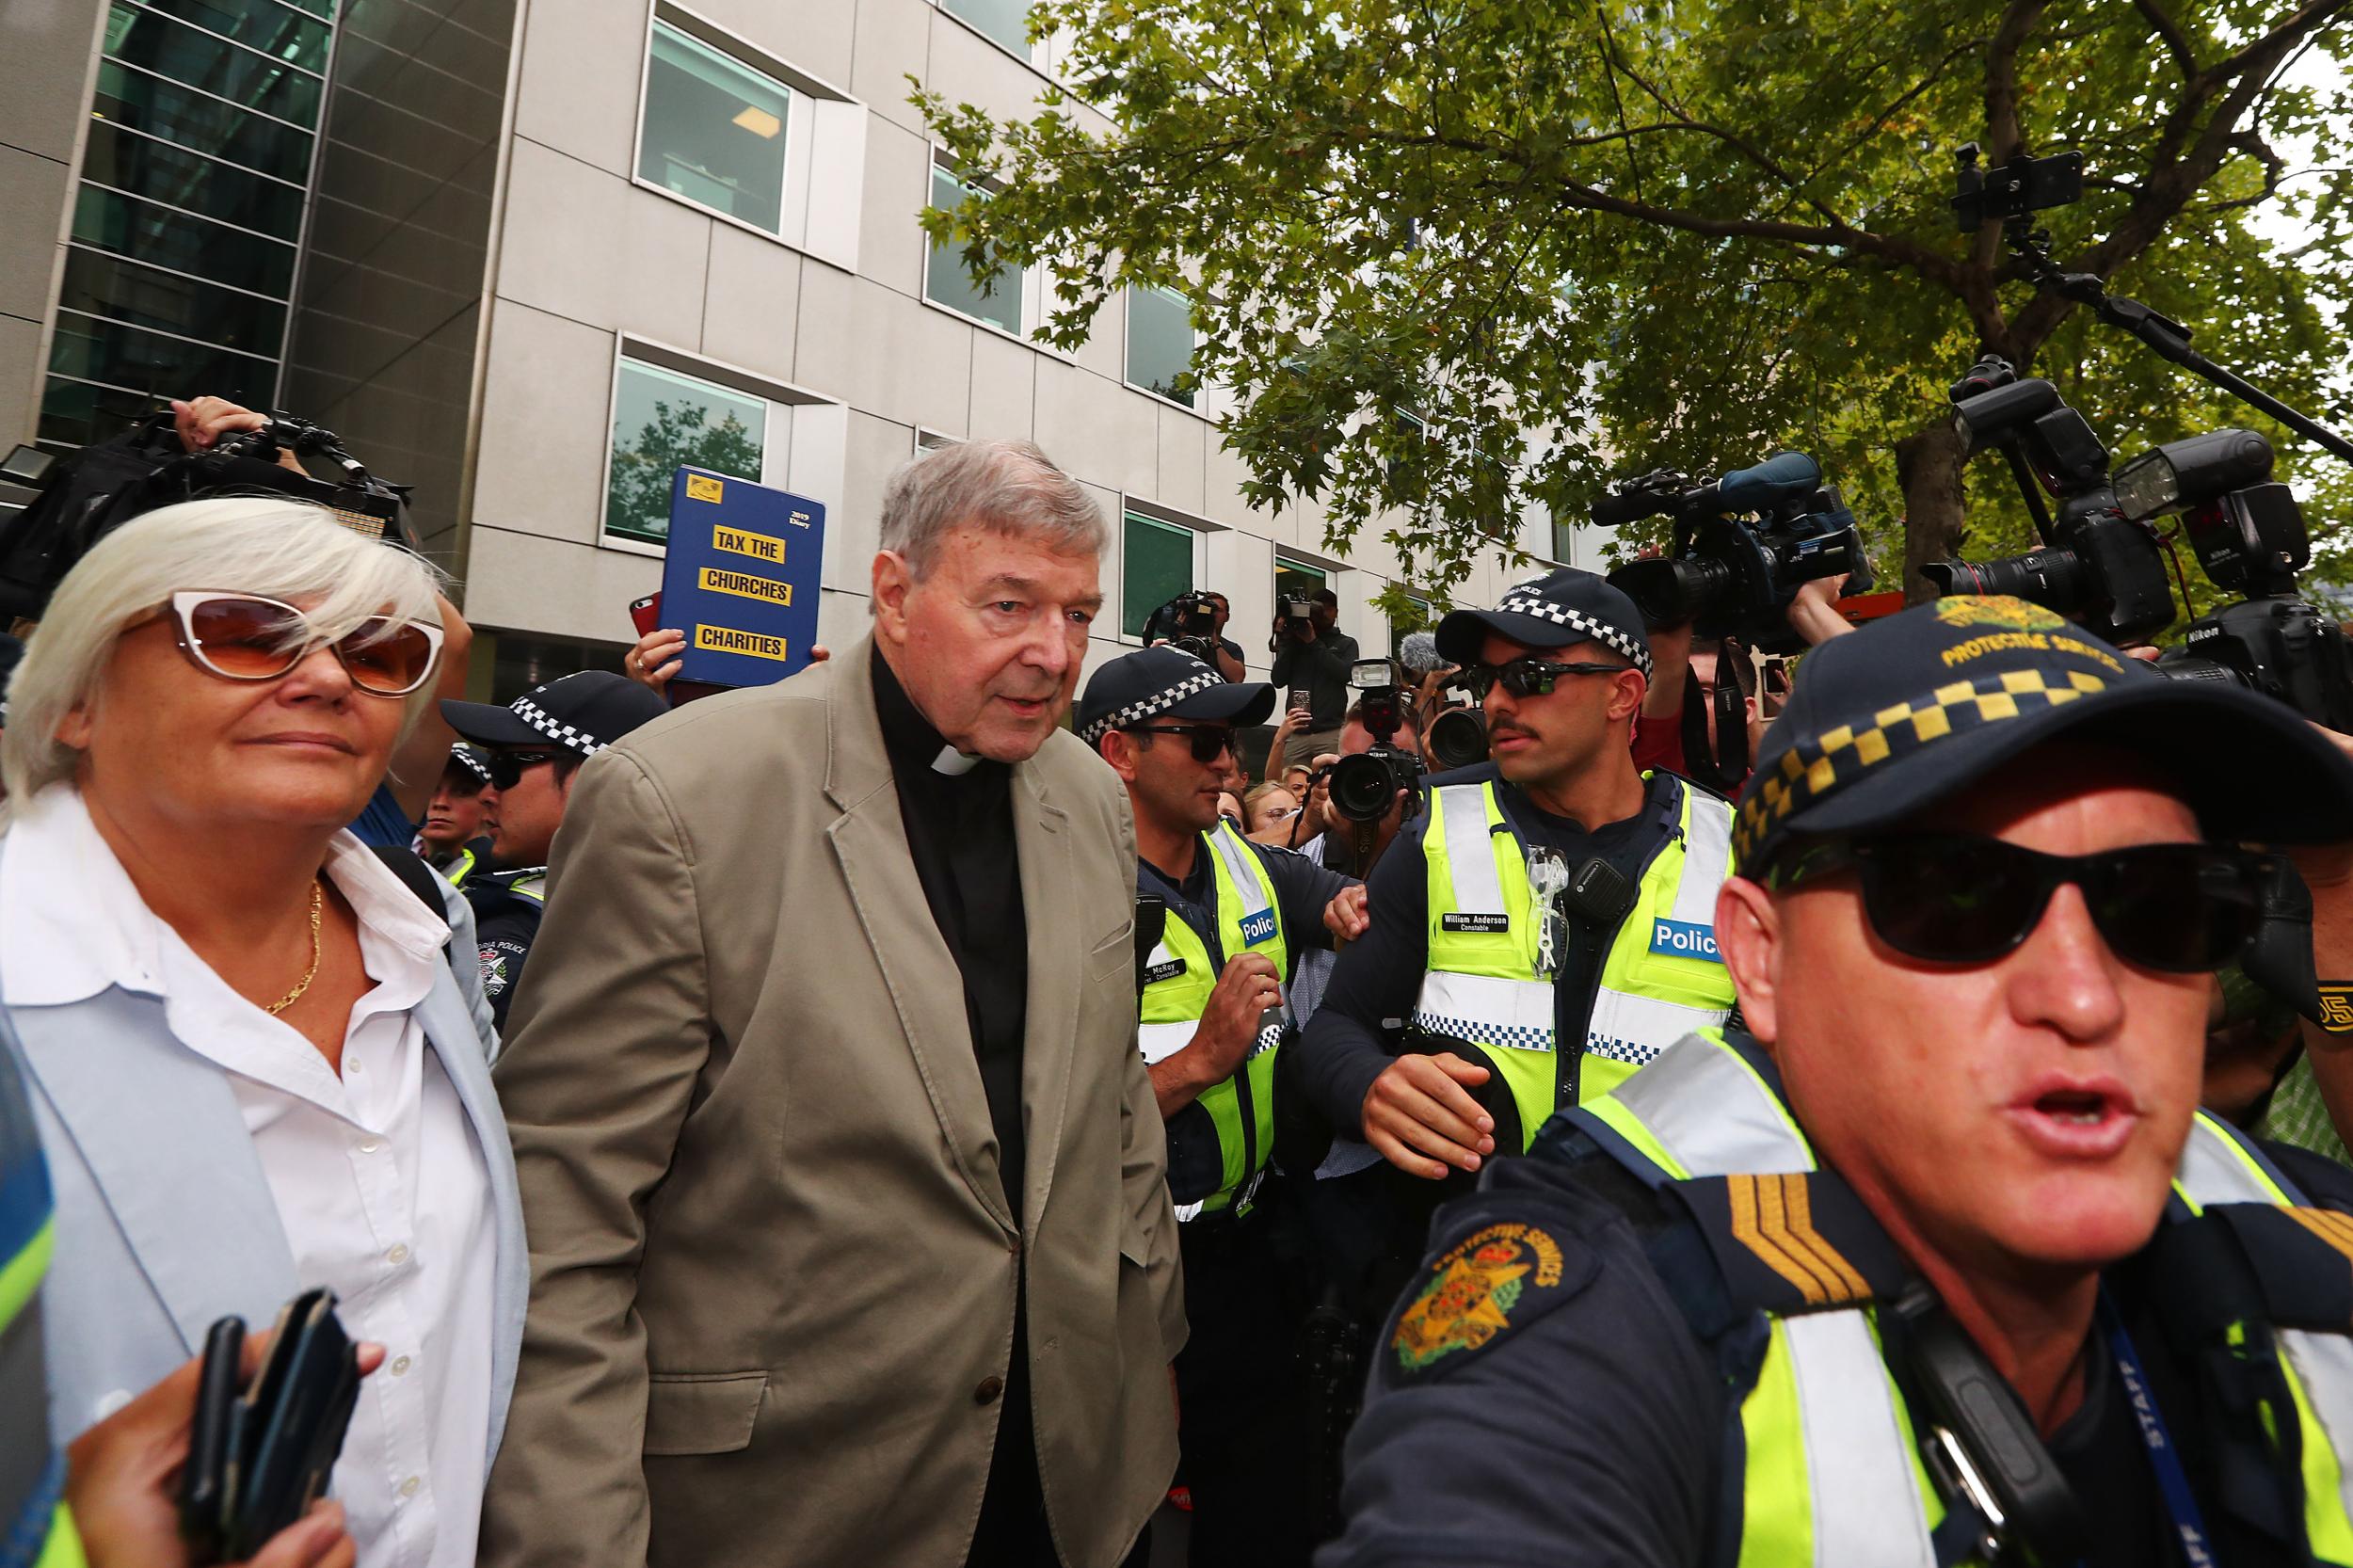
(2189, 1525)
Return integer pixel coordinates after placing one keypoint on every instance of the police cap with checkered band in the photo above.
(1916, 711)
(584, 713)
(1561, 607)
(1164, 682)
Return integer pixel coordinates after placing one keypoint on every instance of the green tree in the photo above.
(678, 436)
(1574, 240)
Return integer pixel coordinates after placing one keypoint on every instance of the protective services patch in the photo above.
(1473, 1291)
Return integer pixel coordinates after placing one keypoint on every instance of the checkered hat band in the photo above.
(554, 728)
(1583, 625)
(1146, 706)
(1814, 769)
(471, 764)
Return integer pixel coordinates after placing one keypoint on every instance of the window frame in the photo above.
(776, 456)
(1156, 518)
(1127, 360)
(1031, 310)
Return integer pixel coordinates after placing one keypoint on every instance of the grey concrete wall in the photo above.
(50, 48)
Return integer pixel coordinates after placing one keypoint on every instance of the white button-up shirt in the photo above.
(378, 1179)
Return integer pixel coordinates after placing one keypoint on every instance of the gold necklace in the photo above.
(312, 972)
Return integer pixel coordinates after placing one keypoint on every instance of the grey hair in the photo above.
(1003, 487)
(282, 549)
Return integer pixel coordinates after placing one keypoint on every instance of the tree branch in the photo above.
(2170, 33)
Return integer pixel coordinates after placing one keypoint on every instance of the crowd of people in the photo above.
(933, 1110)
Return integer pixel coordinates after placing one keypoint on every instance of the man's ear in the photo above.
(1625, 696)
(892, 578)
(1748, 937)
(1119, 750)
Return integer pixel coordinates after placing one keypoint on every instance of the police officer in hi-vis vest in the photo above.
(1544, 928)
(1212, 1029)
(1937, 1261)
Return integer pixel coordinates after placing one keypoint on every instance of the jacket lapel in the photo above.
(870, 841)
(1041, 832)
(159, 1129)
(450, 1033)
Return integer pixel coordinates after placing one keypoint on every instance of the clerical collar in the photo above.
(910, 739)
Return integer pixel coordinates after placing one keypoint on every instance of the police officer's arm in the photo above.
(1585, 1430)
(596, 1081)
(1245, 988)
(1304, 890)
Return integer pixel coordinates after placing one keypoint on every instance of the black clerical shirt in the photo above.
(959, 828)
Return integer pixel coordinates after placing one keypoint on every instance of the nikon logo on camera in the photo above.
(759, 546)
(743, 585)
(726, 639)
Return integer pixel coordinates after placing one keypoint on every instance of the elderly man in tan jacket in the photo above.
(850, 1239)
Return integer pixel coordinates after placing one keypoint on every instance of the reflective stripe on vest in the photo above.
(1173, 1005)
(459, 868)
(1833, 1472)
(1660, 981)
(2218, 1166)
(33, 1528)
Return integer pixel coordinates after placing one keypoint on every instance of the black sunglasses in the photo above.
(1206, 740)
(1528, 677)
(1961, 899)
(506, 767)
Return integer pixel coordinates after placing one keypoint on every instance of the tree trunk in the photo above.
(1928, 465)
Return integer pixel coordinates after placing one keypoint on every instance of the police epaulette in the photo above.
(2303, 1260)
(1790, 1244)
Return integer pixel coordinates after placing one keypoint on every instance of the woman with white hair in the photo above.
(252, 1065)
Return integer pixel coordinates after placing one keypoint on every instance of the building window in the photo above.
(1297, 580)
(1155, 564)
(947, 282)
(1005, 20)
(1416, 618)
(663, 422)
(714, 130)
(1161, 344)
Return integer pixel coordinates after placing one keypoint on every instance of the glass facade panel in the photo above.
(89, 349)
(177, 178)
(1562, 532)
(160, 108)
(1007, 21)
(203, 60)
(715, 130)
(262, 24)
(1293, 579)
(1155, 565)
(1159, 343)
(185, 244)
(74, 413)
(663, 422)
(144, 297)
(948, 283)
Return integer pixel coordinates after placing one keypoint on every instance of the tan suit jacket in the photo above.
(773, 1269)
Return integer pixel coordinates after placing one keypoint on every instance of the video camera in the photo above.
(2100, 566)
(1744, 545)
(2250, 536)
(1188, 621)
(1363, 785)
(84, 497)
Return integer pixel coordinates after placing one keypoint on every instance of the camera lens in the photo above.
(1667, 592)
(1362, 788)
(1456, 738)
(2054, 578)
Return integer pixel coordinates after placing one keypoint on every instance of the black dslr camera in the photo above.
(2248, 535)
(87, 496)
(1363, 785)
(2099, 565)
(1744, 545)
(1188, 621)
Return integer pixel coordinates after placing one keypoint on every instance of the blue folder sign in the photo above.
(740, 579)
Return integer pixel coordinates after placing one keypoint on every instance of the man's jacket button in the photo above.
(988, 1390)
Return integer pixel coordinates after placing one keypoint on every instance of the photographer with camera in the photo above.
(1934, 1259)
(1313, 658)
(1213, 1033)
(1192, 622)
(1688, 683)
(1552, 931)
